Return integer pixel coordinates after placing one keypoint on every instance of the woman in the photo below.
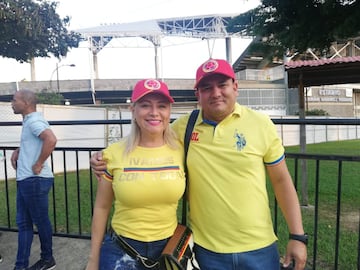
(144, 179)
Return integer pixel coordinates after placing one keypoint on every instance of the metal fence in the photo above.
(74, 192)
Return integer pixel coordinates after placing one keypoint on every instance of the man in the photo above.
(34, 181)
(231, 149)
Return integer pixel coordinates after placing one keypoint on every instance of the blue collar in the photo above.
(210, 122)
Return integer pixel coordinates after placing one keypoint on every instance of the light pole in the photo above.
(57, 75)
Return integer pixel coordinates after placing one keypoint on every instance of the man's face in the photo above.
(18, 104)
(217, 96)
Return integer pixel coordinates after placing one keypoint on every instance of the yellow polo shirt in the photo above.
(229, 207)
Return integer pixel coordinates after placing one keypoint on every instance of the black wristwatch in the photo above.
(299, 237)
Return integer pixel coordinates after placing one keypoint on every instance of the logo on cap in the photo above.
(152, 84)
(210, 66)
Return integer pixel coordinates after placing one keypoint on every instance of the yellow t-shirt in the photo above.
(147, 185)
(229, 207)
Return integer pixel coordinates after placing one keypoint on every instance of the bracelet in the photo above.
(304, 238)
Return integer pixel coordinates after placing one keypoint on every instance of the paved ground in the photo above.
(69, 253)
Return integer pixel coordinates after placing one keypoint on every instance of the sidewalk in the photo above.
(69, 253)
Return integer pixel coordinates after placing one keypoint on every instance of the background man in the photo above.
(34, 181)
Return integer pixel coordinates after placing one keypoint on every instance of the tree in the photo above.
(294, 26)
(32, 28)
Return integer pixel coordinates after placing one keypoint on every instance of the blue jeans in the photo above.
(32, 205)
(113, 257)
(264, 258)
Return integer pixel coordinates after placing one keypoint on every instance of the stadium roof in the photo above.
(204, 27)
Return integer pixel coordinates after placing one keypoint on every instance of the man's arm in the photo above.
(49, 143)
(97, 164)
(289, 204)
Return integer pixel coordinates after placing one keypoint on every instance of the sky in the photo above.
(179, 57)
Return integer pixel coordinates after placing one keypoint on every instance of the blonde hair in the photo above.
(133, 139)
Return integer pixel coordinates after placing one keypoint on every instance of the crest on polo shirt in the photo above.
(152, 84)
(240, 140)
(210, 66)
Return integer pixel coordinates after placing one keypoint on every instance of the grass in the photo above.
(72, 213)
(79, 202)
(327, 205)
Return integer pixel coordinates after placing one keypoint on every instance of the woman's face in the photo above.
(152, 114)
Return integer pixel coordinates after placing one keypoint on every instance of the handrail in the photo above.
(277, 121)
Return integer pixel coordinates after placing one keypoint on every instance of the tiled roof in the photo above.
(321, 62)
(323, 72)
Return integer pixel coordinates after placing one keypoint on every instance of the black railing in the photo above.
(339, 164)
(74, 189)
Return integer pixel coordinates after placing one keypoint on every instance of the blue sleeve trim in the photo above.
(276, 161)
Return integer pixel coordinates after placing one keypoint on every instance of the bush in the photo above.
(50, 98)
(317, 112)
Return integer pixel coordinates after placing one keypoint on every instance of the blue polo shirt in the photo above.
(30, 146)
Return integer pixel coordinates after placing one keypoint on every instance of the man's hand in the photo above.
(37, 167)
(296, 251)
(98, 165)
(14, 158)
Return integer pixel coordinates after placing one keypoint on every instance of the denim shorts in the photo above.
(260, 259)
(113, 257)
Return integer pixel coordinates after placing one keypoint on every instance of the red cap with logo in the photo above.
(214, 66)
(148, 86)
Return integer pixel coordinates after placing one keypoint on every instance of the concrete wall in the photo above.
(85, 85)
(271, 97)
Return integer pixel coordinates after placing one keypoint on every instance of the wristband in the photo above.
(299, 237)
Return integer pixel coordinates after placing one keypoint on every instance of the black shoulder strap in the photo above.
(189, 128)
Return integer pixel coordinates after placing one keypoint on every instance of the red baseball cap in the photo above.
(214, 66)
(147, 86)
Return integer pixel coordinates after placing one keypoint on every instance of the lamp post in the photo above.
(57, 75)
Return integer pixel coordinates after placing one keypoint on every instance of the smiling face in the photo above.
(152, 115)
(217, 96)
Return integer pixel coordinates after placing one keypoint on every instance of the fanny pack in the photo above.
(177, 251)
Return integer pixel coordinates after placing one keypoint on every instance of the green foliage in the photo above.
(295, 26)
(50, 98)
(317, 112)
(31, 29)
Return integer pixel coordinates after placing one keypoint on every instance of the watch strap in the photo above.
(299, 237)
